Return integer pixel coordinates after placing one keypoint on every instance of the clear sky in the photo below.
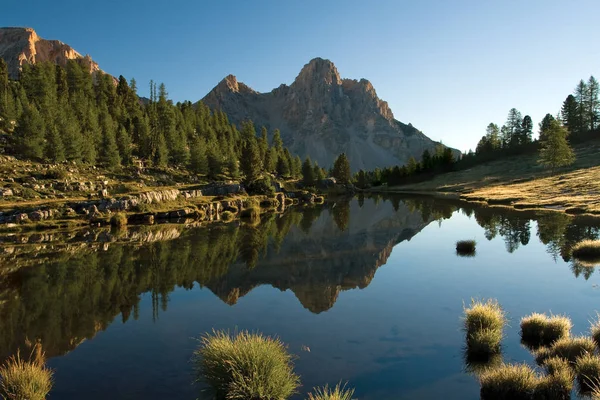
(449, 67)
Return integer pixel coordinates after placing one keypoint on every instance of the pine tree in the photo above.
(270, 163)
(545, 125)
(581, 92)
(109, 153)
(124, 146)
(555, 150)
(361, 179)
(263, 146)
(308, 173)
(250, 162)
(283, 166)
(513, 124)
(277, 142)
(526, 133)
(318, 173)
(592, 104)
(341, 169)
(30, 134)
(54, 150)
(570, 115)
(198, 158)
(296, 166)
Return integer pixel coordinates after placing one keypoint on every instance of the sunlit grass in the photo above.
(25, 380)
(509, 381)
(339, 392)
(484, 342)
(569, 348)
(595, 330)
(539, 329)
(587, 252)
(483, 315)
(246, 366)
(466, 247)
(588, 372)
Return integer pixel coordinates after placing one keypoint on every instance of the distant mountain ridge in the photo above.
(22, 45)
(322, 115)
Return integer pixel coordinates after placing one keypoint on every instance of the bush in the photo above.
(540, 330)
(338, 393)
(30, 380)
(588, 372)
(246, 366)
(118, 220)
(515, 382)
(484, 315)
(262, 186)
(227, 216)
(587, 251)
(569, 348)
(465, 247)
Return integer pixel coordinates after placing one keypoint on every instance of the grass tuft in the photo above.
(588, 372)
(465, 247)
(118, 220)
(509, 381)
(246, 366)
(484, 342)
(227, 216)
(483, 315)
(540, 330)
(569, 348)
(595, 330)
(587, 251)
(30, 380)
(339, 392)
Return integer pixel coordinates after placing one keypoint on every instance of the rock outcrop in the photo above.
(322, 115)
(22, 45)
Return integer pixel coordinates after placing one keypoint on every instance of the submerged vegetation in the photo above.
(25, 379)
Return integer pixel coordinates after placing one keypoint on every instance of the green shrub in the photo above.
(588, 372)
(118, 220)
(587, 251)
(339, 392)
(246, 366)
(484, 342)
(227, 216)
(466, 247)
(262, 186)
(483, 315)
(569, 348)
(540, 330)
(515, 382)
(25, 380)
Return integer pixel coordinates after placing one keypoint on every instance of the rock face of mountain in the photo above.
(322, 115)
(22, 45)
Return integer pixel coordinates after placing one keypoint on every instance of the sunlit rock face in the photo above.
(20, 46)
(322, 115)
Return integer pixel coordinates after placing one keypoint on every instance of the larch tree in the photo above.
(341, 169)
(555, 151)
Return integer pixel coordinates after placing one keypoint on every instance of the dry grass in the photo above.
(587, 252)
(246, 366)
(569, 348)
(595, 330)
(339, 392)
(540, 330)
(509, 381)
(521, 182)
(588, 372)
(26, 380)
(484, 342)
(483, 315)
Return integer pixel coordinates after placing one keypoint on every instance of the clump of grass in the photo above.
(587, 251)
(466, 247)
(509, 381)
(588, 372)
(477, 364)
(118, 220)
(540, 330)
(595, 330)
(484, 342)
(21, 379)
(569, 348)
(227, 216)
(246, 366)
(484, 315)
(557, 385)
(252, 213)
(339, 392)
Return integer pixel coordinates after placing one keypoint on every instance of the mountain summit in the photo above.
(322, 115)
(22, 45)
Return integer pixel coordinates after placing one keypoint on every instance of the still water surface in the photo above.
(368, 291)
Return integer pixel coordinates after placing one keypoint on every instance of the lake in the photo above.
(368, 290)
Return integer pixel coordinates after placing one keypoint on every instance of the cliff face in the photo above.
(22, 45)
(321, 115)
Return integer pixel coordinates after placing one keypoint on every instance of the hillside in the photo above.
(521, 182)
(322, 115)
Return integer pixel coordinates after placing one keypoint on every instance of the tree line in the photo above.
(57, 114)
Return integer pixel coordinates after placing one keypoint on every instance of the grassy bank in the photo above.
(521, 182)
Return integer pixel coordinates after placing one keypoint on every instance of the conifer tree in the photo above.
(198, 158)
(124, 146)
(30, 133)
(283, 166)
(308, 173)
(54, 150)
(570, 115)
(318, 173)
(341, 169)
(555, 150)
(250, 162)
(592, 104)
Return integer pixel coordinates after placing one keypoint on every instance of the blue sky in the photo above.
(447, 67)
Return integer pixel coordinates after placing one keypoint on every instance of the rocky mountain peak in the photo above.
(230, 84)
(318, 71)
